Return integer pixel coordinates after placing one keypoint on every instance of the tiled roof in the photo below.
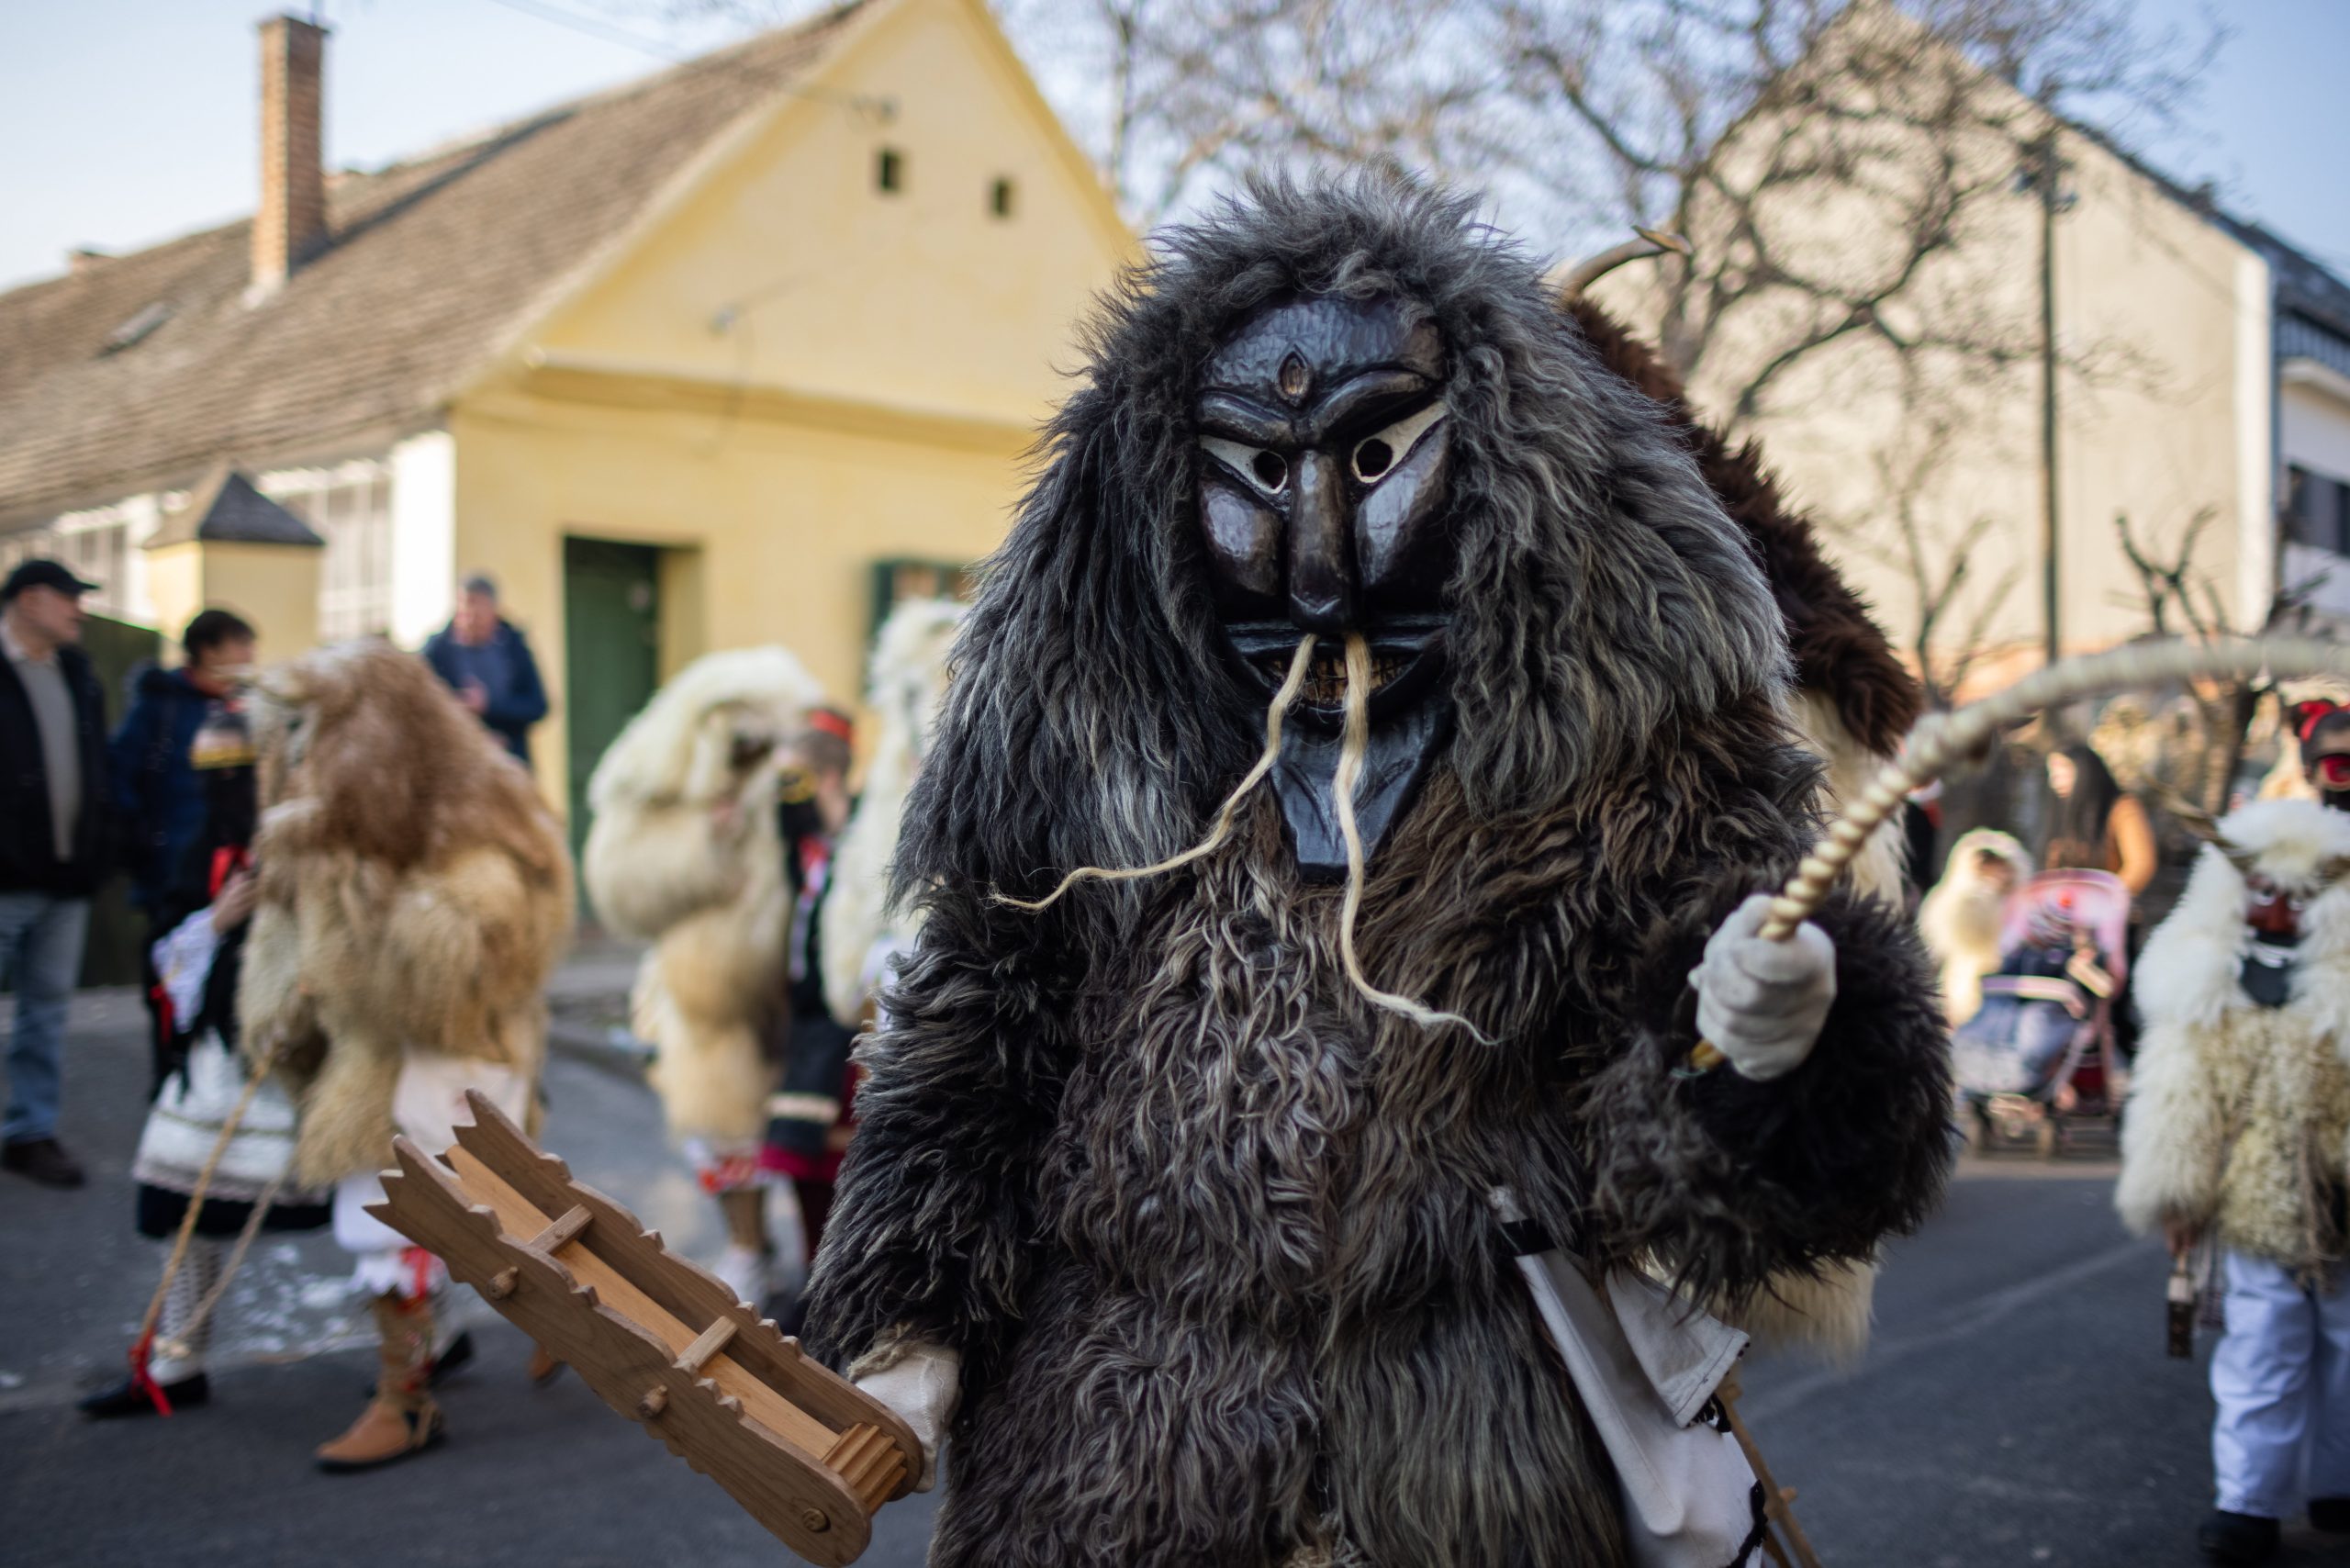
(227, 508)
(143, 371)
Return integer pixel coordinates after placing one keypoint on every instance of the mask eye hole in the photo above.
(1266, 471)
(1377, 455)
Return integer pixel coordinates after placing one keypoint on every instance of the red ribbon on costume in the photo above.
(419, 1264)
(143, 1380)
(2307, 714)
(227, 861)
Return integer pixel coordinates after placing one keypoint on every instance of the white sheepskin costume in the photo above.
(1960, 918)
(2239, 1114)
(685, 851)
(907, 686)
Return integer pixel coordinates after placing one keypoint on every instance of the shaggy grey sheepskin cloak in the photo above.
(1207, 1229)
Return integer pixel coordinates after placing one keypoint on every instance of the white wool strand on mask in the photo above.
(1356, 742)
(1298, 664)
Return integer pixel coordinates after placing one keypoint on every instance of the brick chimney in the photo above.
(290, 224)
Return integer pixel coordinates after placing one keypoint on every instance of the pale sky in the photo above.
(129, 121)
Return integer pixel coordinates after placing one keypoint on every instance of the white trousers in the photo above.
(2281, 1377)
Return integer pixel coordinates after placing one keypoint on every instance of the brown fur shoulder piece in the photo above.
(1841, 654)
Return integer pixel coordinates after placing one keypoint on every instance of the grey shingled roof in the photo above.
(225, 508)
(432, 262)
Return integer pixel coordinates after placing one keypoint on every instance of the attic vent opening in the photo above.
(138, 328)
(889, 171)
(1000, 198)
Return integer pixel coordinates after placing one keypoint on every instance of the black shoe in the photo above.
(2237, 1538)
(2331, 1514)
(127, 1398)
(44, 1160)
(453, 1358)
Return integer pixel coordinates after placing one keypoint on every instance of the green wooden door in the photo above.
(611, 644)
(117, 649)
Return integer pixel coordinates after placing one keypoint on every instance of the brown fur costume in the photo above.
(415, 891)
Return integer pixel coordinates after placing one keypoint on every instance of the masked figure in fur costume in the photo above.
(685, 851)
(2238, 1133)
(1180, 1179)
(414, 894)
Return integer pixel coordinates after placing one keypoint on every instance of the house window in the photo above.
(1000, 198)
(93, 545)
(349, 506)
(2317, 509)
(889, 171)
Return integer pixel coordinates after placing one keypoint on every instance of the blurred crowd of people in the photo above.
(81, 802)
(718, 813)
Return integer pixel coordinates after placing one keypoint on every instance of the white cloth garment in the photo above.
(183, 960)
(924, 1385)
(2282, 1378)
(427, 1103)
(1763, 1004)
(1645, 1366)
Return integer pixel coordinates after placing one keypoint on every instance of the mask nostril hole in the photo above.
(1373, 458)
(1270, 471)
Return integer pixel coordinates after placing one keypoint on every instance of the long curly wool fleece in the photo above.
(1207, 1227)
(2240, 1115)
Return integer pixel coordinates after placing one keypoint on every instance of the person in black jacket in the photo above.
(159, 793)
(54, 844)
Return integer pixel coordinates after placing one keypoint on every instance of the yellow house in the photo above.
(723, 356)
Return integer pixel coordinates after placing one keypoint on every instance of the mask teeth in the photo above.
(1326, 682)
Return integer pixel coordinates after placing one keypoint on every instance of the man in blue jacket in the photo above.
(486, 661)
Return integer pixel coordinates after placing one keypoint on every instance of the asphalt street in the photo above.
(2014, 1408)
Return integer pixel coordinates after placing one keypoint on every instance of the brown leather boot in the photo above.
(401, 1419)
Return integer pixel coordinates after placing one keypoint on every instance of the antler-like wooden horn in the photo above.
(1651, 242)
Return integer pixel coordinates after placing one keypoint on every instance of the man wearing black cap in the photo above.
(53, 843)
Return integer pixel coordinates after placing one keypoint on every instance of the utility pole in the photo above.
(2047, 177)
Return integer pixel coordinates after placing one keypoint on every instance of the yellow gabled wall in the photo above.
(886, 362)
(789, 268)
(273, 586)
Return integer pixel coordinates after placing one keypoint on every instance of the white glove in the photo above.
(923, 1385)
(1761, 1003)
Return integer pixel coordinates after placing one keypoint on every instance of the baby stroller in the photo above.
(2040, 1056)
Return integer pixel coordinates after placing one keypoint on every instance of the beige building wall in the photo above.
(790, 375)
(2162, 321)
(783, 525)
